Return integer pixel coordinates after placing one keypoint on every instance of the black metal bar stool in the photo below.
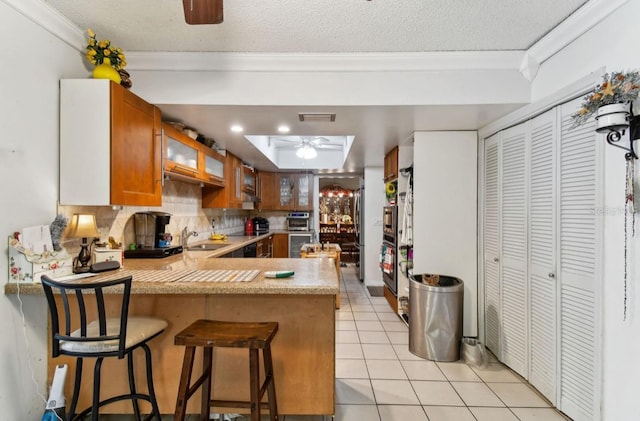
(211, 333)
(119, 336)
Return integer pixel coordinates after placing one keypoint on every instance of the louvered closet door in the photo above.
(542, 252)
(513, 240)
(491, 244)
(579, 259)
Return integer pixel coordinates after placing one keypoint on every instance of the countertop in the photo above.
(184, 273)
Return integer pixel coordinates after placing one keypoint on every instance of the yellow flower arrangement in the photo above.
(99, 52)
(616, 88)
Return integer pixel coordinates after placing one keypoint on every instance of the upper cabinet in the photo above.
(294, 191)
(266, 191)
(230, 196)
(110, 146)
(187, 160)
(391, 165)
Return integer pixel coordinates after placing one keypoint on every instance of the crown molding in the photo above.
(48, 18)
(583, 19)
(329, 62)
(527, 62)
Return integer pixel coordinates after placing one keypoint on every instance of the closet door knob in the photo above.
(495, 259)
(552, 275)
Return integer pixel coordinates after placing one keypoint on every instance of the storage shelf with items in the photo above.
(336, 218)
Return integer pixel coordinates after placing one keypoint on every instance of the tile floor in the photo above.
(378, 379)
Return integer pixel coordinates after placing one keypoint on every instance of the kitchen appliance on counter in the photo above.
(260, 226)
(298, 221)
(151, 239)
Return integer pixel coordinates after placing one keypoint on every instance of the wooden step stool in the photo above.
(212, 333)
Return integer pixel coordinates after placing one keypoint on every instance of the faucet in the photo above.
(185, 236)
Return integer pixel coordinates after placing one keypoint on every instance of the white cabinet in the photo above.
(541, 257)
(445, 218)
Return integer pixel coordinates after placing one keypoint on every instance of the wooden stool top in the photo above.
(209, 333)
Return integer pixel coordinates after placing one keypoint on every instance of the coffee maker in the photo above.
(151, 239)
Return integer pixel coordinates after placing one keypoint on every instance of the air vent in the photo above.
(319, 117)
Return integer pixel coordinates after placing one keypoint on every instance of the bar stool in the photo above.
(101, 338)
(212, 333)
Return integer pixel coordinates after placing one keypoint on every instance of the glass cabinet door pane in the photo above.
(286, 190)
(181, 154)
(213, 166)
(303, 191)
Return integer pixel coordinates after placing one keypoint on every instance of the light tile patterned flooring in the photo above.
(378, 379)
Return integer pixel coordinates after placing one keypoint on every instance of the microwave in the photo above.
(389, 222)
(298, 221)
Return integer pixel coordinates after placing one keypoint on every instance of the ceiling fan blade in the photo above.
(319, 139)
(202, 12)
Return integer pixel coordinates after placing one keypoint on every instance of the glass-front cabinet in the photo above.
(295, 191)
(187, 160)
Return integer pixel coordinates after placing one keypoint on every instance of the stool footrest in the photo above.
(234, 404)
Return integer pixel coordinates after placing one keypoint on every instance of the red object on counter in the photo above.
(248, 227)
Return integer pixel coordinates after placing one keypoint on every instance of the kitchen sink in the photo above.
(206, 246)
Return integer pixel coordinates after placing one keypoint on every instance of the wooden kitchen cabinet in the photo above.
(110, 146)
(266, 191)
(280, 245)
(229, 196)
(391, 165)
(190, 161)
(294, 191)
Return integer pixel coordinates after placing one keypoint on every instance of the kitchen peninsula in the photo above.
(178, 289)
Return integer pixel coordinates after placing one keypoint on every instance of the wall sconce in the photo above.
(614, 119)
(83, 225)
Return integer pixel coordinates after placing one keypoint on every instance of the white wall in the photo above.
(33, 62)
(374, 201)
(445, 200)
(612, 43)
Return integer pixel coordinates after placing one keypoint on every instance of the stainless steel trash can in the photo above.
(435, 318)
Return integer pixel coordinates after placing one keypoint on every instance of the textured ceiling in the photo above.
(324, 26)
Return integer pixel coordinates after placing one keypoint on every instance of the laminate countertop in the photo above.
(203, 272)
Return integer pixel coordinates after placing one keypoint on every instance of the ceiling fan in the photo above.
(307, 146)
(202, 12)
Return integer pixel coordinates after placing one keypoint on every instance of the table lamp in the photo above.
(83, 225)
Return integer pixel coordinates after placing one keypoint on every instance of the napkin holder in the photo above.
(25, 266)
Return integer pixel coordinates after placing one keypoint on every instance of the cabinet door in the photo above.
(281, 245)
(229, 196)
(267, 191)
(286, 186)
(542, 253)
(513, 232)
(213, 166)
(304, 194)
(491, 243)
(181, 155)
(579, 257)
(136, 144)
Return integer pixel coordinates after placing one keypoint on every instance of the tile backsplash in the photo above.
(182, 200)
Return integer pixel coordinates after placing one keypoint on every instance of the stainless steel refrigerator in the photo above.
(358, 219)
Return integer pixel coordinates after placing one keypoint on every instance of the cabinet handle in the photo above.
(161, 134)
(552, 275)
(184, 169)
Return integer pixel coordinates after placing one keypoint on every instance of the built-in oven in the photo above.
(298, 221)
(388, 256)
(389, 249)
(389, 223)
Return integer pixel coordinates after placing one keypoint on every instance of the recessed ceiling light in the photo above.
(236, 128)
(283, 129)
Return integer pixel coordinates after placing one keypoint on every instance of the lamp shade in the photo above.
(83, 225)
